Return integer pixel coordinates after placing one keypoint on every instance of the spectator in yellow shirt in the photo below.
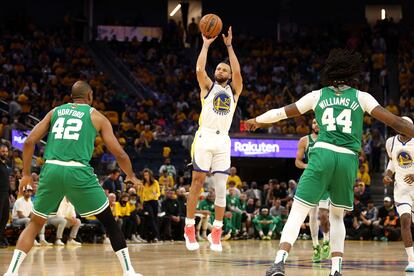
(166, 180)
(149, 194)
(363, 176)
(124, 212)
(392, 107)
(17, 161)
(234, 177)
(114, 208)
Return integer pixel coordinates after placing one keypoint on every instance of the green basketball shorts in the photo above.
(328, 172)
(71, 179)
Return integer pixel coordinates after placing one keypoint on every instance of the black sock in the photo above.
(115, 234)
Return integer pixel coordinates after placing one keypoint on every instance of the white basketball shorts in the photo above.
(403, 197)
(210, 151)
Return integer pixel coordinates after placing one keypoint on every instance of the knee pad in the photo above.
(220, 181)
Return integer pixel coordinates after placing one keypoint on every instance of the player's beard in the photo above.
(220, 80)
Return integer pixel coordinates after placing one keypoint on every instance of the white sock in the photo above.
(41, 237)
(336, 265)
(281, 256)
(314, 225)
(123, 257)
(18, 257)
(410, 253)
(296, 218)
(189, 221)
(218, 223)
(326, 236)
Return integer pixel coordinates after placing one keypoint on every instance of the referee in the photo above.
(4, 194)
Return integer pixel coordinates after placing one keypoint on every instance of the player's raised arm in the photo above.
(237, 80)
(203, 80)
(37, 133)
(105, 128)
(302, 106)
(300, 153)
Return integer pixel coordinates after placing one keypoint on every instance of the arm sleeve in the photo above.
(308, 102)
(367, 101)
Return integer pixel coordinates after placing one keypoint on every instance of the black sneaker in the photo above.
(276, 269)
(336, 274)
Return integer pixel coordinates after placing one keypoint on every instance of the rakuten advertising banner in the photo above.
(263, 148)
(18, 138)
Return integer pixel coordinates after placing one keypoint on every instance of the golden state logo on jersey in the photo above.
(221, 103)
(404, 159)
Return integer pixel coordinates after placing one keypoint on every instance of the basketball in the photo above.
(210, 25)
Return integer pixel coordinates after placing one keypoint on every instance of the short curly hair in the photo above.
(343, 66)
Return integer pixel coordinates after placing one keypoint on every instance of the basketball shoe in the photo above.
(215, 239)
(277, 269)
(190, 238)
(325, 250)
(409, 267)
(316, 257)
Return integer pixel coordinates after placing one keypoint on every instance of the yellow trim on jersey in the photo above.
(193, 146)
(199, 118)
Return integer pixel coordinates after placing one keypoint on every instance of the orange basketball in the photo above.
(210, 25)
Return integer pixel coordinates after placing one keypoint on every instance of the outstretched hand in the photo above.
(207, 41)
(252, 125)
(227, 39)
(133, 180)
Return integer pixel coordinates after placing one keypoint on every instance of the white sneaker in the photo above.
(73, 242)
(409, 267)
(140, 239)
(190, 238)
(44, 243)
(36, 243)
(129, 273)
(136, 239)
(10, 274)
(59, 242)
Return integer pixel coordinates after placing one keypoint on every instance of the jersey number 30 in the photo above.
(343, 119)
(67, 130)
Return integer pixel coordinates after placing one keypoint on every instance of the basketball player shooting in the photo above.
(72, 129)
(339, 110)
(211, 147)
(400, 150)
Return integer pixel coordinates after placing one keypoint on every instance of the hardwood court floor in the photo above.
(239, 258)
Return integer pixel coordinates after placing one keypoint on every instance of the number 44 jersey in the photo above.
(72, 135)
(339, 113)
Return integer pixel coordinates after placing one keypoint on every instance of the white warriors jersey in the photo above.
(217, 110)
(402, 155)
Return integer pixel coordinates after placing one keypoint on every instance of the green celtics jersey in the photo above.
(340, 118)
(311, 142)
(206, 205)
(72, 135)
(232, 201)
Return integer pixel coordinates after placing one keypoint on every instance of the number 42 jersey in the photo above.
(71, 135)
(339, 113)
